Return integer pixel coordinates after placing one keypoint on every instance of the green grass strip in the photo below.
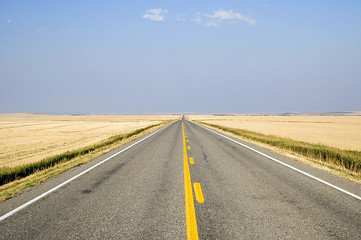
(10, 174)
(346, 158)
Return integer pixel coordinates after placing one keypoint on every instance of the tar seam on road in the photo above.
(75, 177)
(192, 231)
(286, 165)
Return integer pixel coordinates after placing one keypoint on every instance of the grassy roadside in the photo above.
(346, 163)
(12, 180)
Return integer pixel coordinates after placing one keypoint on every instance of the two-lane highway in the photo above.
(147, 192)
(248, 196)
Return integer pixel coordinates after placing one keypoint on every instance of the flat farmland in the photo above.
(27, 138)
(342, 132)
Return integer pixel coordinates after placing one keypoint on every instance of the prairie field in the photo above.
(28, 138)
(342, 132)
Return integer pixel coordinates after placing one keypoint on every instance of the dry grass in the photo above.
(329, 166)
(342, 132)
(13, 187)
(28, 138)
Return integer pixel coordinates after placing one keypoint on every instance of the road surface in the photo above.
(187, 181)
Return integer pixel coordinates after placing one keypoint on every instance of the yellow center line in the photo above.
(198, 192)
(187, 140)
(191, 160)
(189, 148)
(192, 231)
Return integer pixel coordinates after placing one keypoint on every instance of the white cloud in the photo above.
(41, 29)
(155, 14)
(10, 21)
(226, 15)
(213, 23)
(181, 18)
(220, 16)
(199, 20)
(215, 19)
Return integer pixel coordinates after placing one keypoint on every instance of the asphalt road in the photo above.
(140, 194)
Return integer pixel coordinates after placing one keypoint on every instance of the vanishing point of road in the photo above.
(187, 182)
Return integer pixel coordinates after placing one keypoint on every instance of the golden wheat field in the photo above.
(26, 138)
(342, 132)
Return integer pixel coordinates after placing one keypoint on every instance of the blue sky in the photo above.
(102, 57)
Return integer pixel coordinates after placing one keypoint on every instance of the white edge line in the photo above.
(284, 164)
(3, 217)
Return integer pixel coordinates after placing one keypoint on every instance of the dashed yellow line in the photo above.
(192, 231)
(191, 160)
(187, 140)
(198, 192)
(189, 148)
